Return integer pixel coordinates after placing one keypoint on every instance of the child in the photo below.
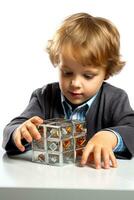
(85, 49)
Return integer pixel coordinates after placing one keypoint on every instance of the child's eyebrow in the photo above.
(65, 66)
(91, 71)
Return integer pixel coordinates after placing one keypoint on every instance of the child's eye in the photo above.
(88, 76)
(67, 73)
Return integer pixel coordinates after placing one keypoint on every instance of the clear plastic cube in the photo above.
(61, 142)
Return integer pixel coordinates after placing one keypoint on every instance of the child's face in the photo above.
(78, 83)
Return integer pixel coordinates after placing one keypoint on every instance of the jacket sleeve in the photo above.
(122, 117)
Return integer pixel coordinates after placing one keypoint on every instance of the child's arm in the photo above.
(100, 148)
(27, 131)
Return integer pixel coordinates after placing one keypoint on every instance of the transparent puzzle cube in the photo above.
(62, 142)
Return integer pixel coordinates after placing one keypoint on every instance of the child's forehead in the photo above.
(85, 55)
(70, 63)
(73, 52)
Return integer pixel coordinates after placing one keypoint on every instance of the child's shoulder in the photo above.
(48, 88)
(51, 87)
(111, 90)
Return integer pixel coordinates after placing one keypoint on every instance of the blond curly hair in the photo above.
(93, 41)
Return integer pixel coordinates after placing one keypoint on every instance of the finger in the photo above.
(25, 134)
(86, 153)
(106, 158)
(33, 131)
(17, 140)
(97, 157)
(113, 160)
(91, 158)
(36, 120)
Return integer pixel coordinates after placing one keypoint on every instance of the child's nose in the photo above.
(76, 82)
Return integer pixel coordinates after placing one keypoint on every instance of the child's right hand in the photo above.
(27, 131)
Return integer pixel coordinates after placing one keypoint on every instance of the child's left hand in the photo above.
(99, 150)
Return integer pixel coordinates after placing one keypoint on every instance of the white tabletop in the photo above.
(20, 177)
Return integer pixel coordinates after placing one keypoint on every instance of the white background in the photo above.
(25, 27)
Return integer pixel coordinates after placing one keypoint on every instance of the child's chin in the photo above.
(76, 103)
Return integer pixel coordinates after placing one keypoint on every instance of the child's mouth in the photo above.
(76, 94)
